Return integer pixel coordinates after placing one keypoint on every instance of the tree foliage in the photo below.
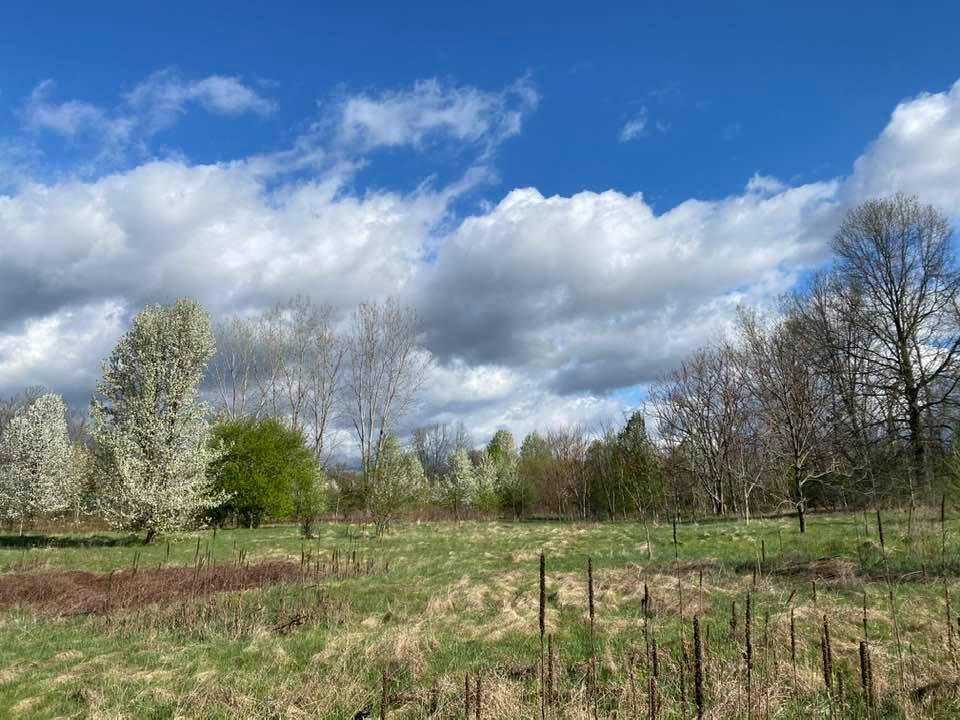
(399, 483)
(260, 466)
(150, 426)
(35, 469)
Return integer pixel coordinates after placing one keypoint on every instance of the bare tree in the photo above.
(701, 410)
(825, 316)
(232, 371)
(433, 445)
(385, 369)
(285, 363)
(792, 395)
(896, 256)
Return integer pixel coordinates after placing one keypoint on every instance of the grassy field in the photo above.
(350, 620)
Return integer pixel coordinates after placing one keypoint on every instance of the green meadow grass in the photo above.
(463, 599)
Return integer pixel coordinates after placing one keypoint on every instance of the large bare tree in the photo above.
(895, 255)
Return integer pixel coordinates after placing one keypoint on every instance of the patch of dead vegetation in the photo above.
(830, 570)
(88, 593)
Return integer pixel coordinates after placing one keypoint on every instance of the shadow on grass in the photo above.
(27, 542)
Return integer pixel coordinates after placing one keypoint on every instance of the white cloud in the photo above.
(156, 104)
(72, 118)
(61, 350)
(432, 110)
(164, 97)
(634, 128)
(536, 306)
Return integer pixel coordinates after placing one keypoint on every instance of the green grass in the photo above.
(462, 599)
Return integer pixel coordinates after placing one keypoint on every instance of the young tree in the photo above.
(534, 463)
(515, 492)
(642, 481)
(310, 498)
(399, 484)
(485, 476)
(793, 398)
(385, 370)
(262, 462)
(457, 484)
(35, 455)
(150, 426)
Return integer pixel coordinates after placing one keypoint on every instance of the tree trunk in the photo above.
(151, 536)
(918, 455)
(798, 491)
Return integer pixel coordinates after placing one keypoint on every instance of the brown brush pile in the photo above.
(86, 593)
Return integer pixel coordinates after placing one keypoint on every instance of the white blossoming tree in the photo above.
(485, 482)
(150, 425)
(35, 457)
(457, 485)
(399, 483)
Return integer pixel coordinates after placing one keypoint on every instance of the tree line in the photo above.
(845, 394)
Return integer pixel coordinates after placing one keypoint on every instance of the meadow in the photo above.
(721, 619)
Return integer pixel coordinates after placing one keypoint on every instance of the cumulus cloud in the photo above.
(214, 232)
(596, 290)
(537, 308)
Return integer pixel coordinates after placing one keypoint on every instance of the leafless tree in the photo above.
(285, 363)
(792, 396)
(385, 370)
(895, 255)
(825, 316)
(702, 409)
(433, 445)
(232, 370)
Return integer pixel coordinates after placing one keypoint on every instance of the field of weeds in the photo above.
(435, 620)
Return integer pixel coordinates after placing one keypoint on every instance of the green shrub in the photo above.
(263, 463)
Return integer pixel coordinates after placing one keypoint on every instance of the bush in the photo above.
(262, 465)
(309, 497)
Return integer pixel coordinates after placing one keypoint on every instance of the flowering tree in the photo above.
(484, 496)
(151, 428)
(399, 483)
(35, 453)
(457, 485)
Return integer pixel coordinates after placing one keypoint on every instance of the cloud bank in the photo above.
(539, 310)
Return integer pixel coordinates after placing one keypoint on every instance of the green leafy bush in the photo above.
(264, 466)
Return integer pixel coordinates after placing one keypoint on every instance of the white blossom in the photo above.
(399, 483)
(150, 425)
(457, 485)
(35, 455)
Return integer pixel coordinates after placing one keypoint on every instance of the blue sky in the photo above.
(784, 89)
(482, 162)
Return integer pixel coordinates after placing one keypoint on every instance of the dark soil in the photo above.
(88, 593)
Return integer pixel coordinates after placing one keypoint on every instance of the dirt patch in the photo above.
(87, 593)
